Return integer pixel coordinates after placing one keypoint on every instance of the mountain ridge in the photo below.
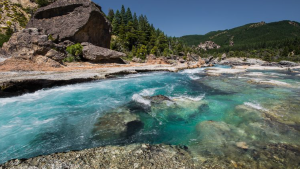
(248, 34)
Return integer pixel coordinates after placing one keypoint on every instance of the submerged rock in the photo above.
(119, 123)
(285, 112)
(214, 133)
(269, 82)
(219, 71)
(158, 99)
(242, 145)
(80, 20)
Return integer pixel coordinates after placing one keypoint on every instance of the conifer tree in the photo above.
(135, 22)
(128, 16)
(123, 14)
(116, 23)
(111, 15)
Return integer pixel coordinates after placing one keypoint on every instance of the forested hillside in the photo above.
(249, 34)
(136, 36)
(272, 42)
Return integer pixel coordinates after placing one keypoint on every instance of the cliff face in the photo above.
(75, 20)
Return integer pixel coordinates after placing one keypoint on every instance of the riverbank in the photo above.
(14, 83)
(132, 156)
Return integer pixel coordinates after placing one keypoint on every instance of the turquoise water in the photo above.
(212, 116)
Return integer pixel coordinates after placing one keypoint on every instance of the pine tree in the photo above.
(116, 23)
(135, 22)
(128, 16)
(123, 14)
(111, 15)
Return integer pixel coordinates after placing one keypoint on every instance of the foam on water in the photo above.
(192, 71)
(63, 118)
(197, 98)
(193, 77)
(255, 106)
(140, 99)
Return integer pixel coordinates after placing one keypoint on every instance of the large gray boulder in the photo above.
(99, 54)
(75, 20)
(32, 42)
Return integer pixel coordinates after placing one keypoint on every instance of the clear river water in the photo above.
(224, 119)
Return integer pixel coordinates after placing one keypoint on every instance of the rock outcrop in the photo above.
(12, 16)
(208, 45)
(101, 55)
(31, 45)
(75, 20)
(288, 64)
(25, 3)
(26, 43)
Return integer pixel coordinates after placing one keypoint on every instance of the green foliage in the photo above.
(271, 42)
(50, 37)
(142, 52)
(154, 51)
(69, 58)
(5, 37)
(245, 35)
(116, 23)
(111, 15)
(75, 50)
(42, 3)
(135, 36)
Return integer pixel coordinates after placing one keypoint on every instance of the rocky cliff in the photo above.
(54, 28)
(75, 20)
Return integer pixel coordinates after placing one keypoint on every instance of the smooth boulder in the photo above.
(99, 54)
(117, 123)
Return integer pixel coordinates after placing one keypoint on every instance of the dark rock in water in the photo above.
(158, 98)
(204, 108)
(120, 123)
(80, 20)
(288, 64)
(99, 54)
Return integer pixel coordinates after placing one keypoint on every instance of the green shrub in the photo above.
(50, 37)
(74, 53)
(43, 3)
(75, 50)
(70, 58)
(5, 37)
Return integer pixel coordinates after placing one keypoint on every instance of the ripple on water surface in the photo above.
(220, 119)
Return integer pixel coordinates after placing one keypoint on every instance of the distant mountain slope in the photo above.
(249, 34)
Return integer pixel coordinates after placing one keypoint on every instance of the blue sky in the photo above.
(185, 17)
